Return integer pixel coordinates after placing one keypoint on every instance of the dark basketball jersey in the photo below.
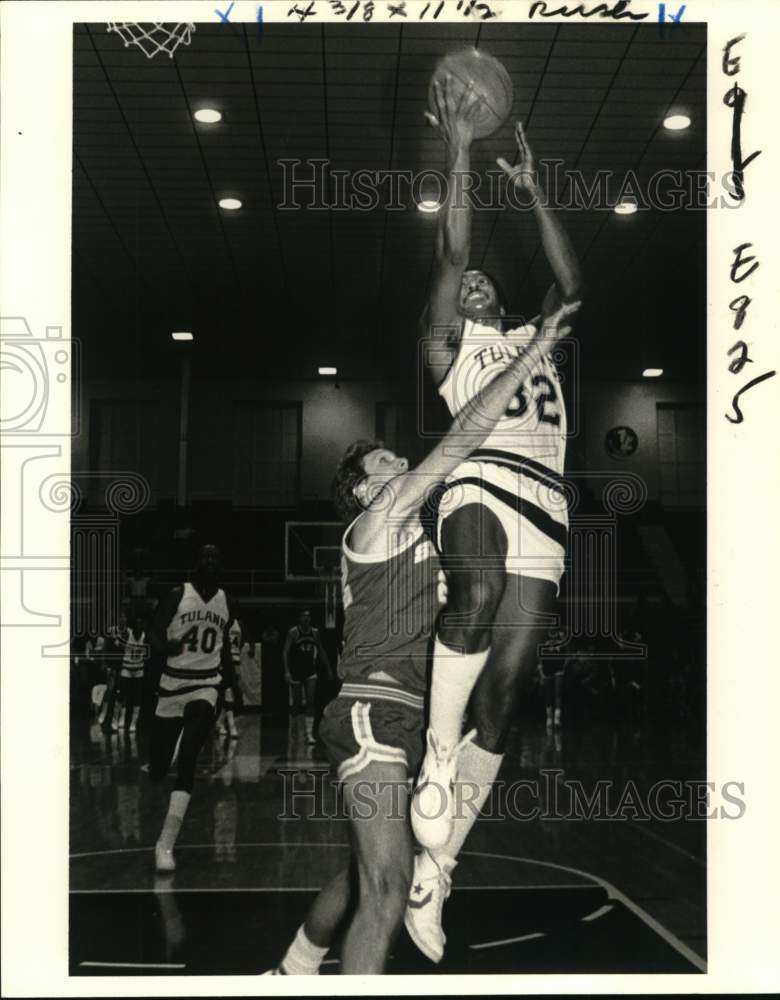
(303, 652)
(390, 609)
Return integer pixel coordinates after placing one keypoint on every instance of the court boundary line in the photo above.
(612, 891)
(668, 843)
(514, 940)
(133, 965)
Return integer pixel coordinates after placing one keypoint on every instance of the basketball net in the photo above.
(153, 38)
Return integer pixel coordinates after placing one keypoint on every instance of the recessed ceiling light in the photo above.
(652, 372)
(676, 123)
(208, 116)
(231, 204)
(328, 371)
(428, 205)
(182, 335)
(625, 208)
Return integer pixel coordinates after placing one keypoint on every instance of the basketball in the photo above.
(491, 82)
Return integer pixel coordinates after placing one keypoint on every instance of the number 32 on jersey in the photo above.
(542, 396)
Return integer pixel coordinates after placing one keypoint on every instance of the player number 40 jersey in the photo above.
(200, 626)
(534, 425)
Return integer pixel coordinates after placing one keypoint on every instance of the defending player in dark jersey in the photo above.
(373, 730)
(302, 654)
(503, 522)
(190, 630)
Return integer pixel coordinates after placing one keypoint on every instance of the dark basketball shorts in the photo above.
(131, 689)
(368, 723)
(300, 675)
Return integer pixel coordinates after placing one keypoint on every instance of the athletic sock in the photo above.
(452, 681)
(477, 770)
(303, 958)
(177, 810)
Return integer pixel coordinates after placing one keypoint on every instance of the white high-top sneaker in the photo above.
(430, 887)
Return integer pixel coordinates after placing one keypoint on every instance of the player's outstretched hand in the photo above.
(523, 173)
(557, 325)
(455, 116)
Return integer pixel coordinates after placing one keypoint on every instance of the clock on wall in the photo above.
(621, 442)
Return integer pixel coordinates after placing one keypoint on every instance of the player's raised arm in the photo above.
(556, 244)
(440, 321)
(472, 424)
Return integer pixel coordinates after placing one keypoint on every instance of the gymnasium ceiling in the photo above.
(281, 292)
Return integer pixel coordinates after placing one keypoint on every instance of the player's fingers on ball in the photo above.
(474, 104)
(453, 98)
(467, 97)
(437, 98)
(446, 91)
(440, 99)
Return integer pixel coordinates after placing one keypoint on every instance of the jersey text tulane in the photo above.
(390, 609)
(200, 626)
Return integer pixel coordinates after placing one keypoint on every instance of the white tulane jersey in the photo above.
(200, 626)
(534, 426)
(234, 635)
(133, 657)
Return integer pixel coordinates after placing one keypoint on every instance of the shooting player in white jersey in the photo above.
(190, 630)
(503, 521)
(373, 730)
